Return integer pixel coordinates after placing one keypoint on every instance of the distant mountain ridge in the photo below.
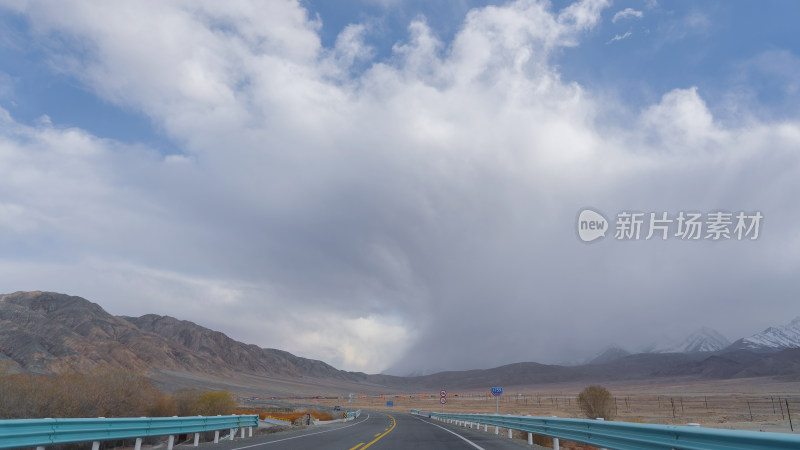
(46, 332)
(707, 340)
(703, 340)
(610, 354)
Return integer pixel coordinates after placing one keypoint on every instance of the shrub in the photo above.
(102, 392)
(596, 402)
(213, 403)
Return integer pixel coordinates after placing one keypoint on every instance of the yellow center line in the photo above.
(359, 445)
(381, 435)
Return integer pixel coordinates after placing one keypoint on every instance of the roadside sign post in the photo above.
(497, 392)
(443, 399)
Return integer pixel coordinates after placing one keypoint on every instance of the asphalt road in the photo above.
(374, 430)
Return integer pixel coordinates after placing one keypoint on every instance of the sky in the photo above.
(396, 186)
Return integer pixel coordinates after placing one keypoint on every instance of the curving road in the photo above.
(374, 430)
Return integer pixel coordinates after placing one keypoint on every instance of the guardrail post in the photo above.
(242, 432)
(485, 427)
(250, 431)
(196, 439)
(216, 437)
(496, 429)
(96, 445)
(601, 419)
(138, 445)
(170, 443)
(40, 448)
(233, 433)
(530, 438)
(509, 433)
(556, 445)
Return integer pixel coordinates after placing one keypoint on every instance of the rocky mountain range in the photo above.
(45, 332)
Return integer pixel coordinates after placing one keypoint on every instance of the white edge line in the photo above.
(453, 432)
(305, 435)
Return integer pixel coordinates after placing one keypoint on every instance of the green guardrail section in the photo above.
(632, 436)
(43, 432)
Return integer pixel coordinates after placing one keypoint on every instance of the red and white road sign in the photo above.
(443, 393)
(443, 400)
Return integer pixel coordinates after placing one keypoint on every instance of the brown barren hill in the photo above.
(46, 332)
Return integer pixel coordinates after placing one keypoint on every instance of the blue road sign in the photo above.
(497, 390)
(389, 403)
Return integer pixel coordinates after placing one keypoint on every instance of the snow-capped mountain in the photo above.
(703, 340)
(773, 338)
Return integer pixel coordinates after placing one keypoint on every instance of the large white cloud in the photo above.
(425, 200)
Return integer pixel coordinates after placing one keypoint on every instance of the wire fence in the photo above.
(667, 409)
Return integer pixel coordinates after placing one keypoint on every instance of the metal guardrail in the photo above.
(632, 436)
(41, 432)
